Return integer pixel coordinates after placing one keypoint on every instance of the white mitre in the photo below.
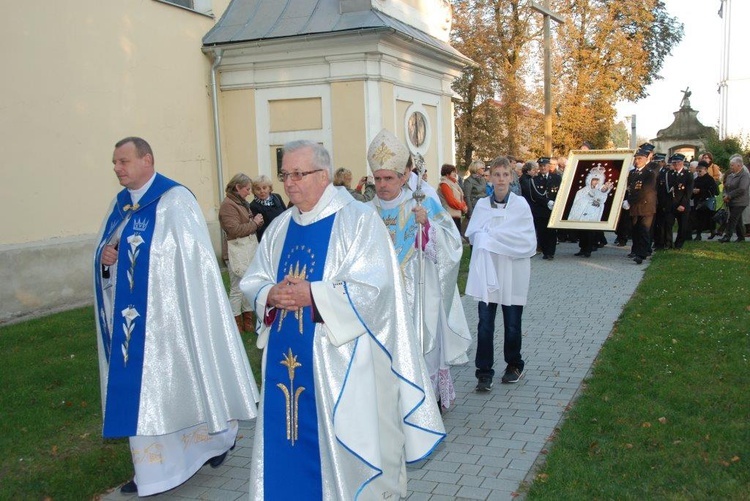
(387, 152)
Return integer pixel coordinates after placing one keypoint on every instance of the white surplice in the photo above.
(503, 242)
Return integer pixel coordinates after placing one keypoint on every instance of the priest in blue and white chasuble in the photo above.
(173, 371)
(346, 399)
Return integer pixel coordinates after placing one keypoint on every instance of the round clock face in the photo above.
(417, 128)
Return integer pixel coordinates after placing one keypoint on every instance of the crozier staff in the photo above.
(429, 250)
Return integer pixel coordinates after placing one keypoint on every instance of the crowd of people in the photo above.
(353, 295)
(671, 201)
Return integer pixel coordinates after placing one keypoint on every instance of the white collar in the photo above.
(305, 218)
(390, 204)
(135, 195)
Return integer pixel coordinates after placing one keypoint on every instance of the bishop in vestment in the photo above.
(446, 334)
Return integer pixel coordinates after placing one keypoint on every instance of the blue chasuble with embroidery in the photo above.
(290, 433)
(124, 344)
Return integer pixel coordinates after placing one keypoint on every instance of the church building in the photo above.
(216, 87)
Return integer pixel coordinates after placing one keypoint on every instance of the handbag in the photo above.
(711, 203)
(240, 252)
(721, 216)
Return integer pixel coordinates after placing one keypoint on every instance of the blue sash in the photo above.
(124, 345)
(290, 422)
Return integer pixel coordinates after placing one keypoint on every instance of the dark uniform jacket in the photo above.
(641, 194)
(681, 185)
(663, 195)
(525, 182)
(543, 190)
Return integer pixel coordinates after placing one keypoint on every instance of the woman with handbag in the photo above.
(239, 225)
(704, 198)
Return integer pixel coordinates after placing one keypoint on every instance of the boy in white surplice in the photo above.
(501, 232)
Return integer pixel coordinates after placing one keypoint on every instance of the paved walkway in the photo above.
(494, 438)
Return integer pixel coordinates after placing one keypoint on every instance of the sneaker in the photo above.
(484, 383)
(512, 374)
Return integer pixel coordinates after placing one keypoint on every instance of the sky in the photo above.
(696, 63)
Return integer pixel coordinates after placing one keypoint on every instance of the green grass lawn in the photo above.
(666, 411)
(50, 411)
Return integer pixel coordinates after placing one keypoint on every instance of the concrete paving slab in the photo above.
(495, 438)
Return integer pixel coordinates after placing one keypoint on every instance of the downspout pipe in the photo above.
(217, 129)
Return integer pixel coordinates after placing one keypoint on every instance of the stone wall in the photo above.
(41, 278)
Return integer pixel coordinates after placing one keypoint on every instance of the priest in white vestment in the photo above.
(501, 231)
(346, 400)
(173, 370)
(446, 335)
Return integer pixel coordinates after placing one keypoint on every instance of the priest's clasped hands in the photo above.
(292, 293)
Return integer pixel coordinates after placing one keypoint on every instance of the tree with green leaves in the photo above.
(723, 149)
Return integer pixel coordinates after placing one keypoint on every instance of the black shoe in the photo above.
(484, 383)
(580, 253)
(129, 488)
(217, 461)
(740, 239)
(512, 374)
(725, 239)
(631, 255)
(638, 260)
(711, 236)
(545, 256)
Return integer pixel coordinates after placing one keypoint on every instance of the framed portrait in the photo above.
(592, 190)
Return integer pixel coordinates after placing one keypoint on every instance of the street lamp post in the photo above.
(548, 14)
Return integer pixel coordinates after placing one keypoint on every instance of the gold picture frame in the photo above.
(583, 204)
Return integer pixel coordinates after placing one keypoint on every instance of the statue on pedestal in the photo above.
(685, 103)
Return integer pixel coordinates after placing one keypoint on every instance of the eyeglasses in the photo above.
(296, 175)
